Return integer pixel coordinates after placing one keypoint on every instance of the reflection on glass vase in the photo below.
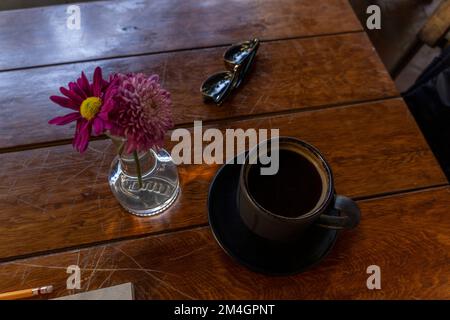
(155, 191)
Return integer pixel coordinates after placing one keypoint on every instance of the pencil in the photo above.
(26, 293)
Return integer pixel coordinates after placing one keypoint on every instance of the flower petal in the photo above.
(74, 87)
(60, 121)
(83, 83)
(105, 84)
(81, 140)
(77, 130)
(103, 116)
(65, 102)
(71, 94)
(108, 106)
(110, 93)
(107, 125)
(98, 126)
(97, 82)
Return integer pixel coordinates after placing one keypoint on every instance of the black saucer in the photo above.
(251, 250)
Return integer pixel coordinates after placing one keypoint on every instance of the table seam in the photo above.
(68, 249)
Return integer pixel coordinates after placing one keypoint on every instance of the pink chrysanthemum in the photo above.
(143, 113)
(92, 104)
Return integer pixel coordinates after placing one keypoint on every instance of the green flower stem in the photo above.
(138, 168)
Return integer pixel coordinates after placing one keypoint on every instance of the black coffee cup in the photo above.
(298, 196)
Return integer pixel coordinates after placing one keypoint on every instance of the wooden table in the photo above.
(317, 77)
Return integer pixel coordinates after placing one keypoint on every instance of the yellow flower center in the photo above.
(90, 107)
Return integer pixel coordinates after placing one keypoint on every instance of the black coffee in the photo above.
(293, 191)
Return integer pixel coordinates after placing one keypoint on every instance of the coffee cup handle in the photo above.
(348, 218)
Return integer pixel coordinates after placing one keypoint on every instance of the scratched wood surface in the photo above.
(58, 193)
(288, 75)
(114, 28)
(405, 235)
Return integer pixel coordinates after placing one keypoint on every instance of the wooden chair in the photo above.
(435, 33)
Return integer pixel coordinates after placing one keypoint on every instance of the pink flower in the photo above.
(92, 104)
(143, 114)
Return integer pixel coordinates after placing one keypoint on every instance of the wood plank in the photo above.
(40, 36)
(288, 75)
(405, 235)
(53, 198)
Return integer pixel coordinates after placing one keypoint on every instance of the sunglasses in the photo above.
(238, 60)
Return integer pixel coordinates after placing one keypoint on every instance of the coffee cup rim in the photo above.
(317, 154)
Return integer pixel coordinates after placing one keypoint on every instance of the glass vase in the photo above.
(149, 193)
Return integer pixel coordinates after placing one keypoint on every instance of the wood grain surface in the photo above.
(54, 198)
(405, 235)
(316, 77)
(40, 36)
(287, 75)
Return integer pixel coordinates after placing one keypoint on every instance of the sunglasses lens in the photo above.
(217, 86)
(238, 53)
